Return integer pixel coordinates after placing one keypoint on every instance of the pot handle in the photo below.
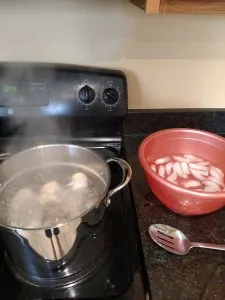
(127, 173)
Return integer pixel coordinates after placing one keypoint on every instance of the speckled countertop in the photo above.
(198, 275)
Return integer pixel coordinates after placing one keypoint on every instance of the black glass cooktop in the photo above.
(121, 276)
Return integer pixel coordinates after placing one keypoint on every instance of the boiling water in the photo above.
(20, 198)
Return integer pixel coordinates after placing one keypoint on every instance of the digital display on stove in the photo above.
(10, 88)
(24, 93)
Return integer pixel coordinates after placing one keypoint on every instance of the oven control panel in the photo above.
(60, 90)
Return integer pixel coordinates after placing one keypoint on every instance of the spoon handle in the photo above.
(208, 246)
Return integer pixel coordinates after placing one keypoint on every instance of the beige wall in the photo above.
(171, 61)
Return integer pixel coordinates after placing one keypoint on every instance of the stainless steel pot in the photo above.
(39, 251)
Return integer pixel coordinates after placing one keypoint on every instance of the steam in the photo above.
(22, 129)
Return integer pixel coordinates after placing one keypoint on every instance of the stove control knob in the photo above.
(86, 94)
(110, 96)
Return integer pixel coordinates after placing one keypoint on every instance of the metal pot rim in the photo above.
(101, 198)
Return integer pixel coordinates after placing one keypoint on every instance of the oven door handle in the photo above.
(127, 173)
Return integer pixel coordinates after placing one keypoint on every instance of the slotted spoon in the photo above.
(174, 241)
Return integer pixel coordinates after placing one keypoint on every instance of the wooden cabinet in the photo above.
(181, 6)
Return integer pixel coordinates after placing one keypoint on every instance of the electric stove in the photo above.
(43, 104)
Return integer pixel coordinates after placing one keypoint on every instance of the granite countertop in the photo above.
(198, 275)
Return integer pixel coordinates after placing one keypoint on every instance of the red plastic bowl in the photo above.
(174, 141)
